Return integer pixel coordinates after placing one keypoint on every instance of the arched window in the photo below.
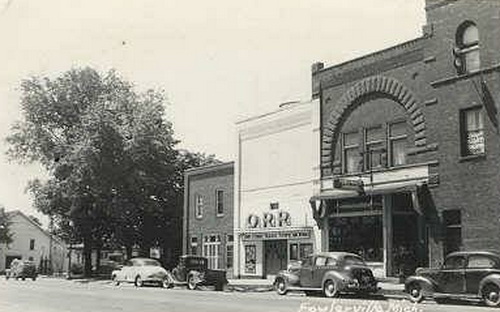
(467, 52)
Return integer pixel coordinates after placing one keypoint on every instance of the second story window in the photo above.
(472, 131)
(351, 155)
(397, 144)
(374, 146)
(32, 244)
(199, 206)
(467, 52)
(219, 202)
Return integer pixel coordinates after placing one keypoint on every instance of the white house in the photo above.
(32, 242)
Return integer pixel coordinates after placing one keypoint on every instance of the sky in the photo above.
(219, 61)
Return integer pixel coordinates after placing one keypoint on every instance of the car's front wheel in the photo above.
(191, 282)
(491, 295)
(415, 292)
(330, 289)
(115, 280)
(280, 286)
(138, 281)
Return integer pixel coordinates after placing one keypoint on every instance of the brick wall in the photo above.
(205, 182)
(424, 67)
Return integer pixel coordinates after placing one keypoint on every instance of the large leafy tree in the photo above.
(5, 234)
(111, 158)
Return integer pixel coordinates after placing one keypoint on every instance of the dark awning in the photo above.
(391, 188)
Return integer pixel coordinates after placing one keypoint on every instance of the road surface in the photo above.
(58, 295)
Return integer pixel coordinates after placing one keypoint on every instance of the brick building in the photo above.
(410, 147)
(208, 214)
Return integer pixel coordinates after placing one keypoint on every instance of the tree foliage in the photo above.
(115, 174)
(5, 234)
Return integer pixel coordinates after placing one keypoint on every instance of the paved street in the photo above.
(56, 295)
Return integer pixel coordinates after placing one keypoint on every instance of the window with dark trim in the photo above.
(383, 146)
(397, 143)
(351, 155)
(374, 147)
(198, 206)
(472, 132)
(467, 56)
(32, 244)
(219, 202)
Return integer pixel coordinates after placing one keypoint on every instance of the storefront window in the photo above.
(229, 256)
(361, 235)
(305, 250)
(294, 251)
(250, 259)
(211, 251)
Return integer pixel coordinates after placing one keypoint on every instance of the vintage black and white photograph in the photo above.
(250, 155)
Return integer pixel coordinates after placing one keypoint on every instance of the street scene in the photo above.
(250, 155)
(62, 295)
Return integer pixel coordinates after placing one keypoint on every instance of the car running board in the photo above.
(304, 288)
(455, 296)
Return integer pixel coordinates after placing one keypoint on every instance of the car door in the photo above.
(451, 277)
(306, 272)
(478, 267)
(319, 271)
(125, 275)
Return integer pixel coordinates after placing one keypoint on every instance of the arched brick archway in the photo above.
(386, 86)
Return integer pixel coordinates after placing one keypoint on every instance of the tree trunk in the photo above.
(128, 250)
(87, 256)
(98, 260)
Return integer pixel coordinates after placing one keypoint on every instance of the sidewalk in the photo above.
(388, 287)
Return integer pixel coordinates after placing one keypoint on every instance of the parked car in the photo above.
(462, 275)
(21, 269)
(142, 271)
(331, 273)
(193, 271)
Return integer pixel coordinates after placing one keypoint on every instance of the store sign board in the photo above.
(269, 220)
(303, 234)
(348, 184)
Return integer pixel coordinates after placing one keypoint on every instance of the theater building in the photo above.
(275, 170)
(208, 215)
(410, 146)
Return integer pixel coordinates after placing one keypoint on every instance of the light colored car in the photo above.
(141, 271)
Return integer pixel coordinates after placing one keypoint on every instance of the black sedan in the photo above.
(462, 275)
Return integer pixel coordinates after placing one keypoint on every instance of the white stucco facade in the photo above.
(31, 242)
(276, 173)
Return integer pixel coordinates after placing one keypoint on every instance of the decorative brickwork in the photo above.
(386, 86)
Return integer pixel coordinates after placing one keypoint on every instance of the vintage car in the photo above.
(462, 275)
(142, 271)
(21, 269)
(331, 273)
(193, 271)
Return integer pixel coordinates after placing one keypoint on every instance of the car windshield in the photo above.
(350, 260)
(195, 261)
(147, 262)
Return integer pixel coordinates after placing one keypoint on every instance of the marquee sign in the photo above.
(286, 234)
(269, 220)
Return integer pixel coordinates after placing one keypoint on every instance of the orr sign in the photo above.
(269, 220)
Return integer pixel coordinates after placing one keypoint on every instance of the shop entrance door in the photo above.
(275, 254)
